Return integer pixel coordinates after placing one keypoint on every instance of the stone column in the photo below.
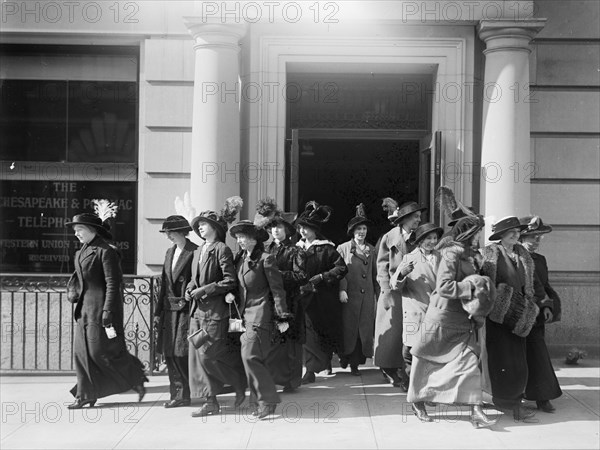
(505, 156)
(215, 164)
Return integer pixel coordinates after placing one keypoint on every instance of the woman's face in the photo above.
(475, 240)
(429, 242)
(307, 233)
(412, 221)
(176, 237)
(207, 231)
(245, 241)
(84, 233)
(278, 232)
(531, 243)
(510, 237)
(360, 232)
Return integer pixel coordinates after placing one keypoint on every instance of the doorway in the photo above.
(344, 169)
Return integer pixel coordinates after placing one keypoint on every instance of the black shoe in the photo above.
(289, 388)
(141, 390)
(309, 377)
(479, 419)
(175, 403)
(264, 411)
(239, 399)
(354, 371)
(208, 409)
(329, 368)
(522, 414)
(546, 406)
(79, 403)
(343, 362)
(420, 411)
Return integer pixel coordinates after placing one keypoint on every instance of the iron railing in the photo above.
(37, 322)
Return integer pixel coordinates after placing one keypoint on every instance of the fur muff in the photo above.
(511, 308)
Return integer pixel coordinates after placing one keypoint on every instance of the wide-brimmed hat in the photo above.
(465, 228)
(176, 223)
(92, 220)
(268, 215)
(424, 230)
(534, 226)
(406, 210)
(503, 225)
(359, 219)
(220, 221)
(247, 227)
(314, 215)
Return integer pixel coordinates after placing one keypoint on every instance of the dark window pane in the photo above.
(33, 120)
(102, 121)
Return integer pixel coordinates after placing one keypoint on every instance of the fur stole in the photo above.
(512, 308)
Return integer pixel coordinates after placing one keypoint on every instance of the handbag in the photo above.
(236, 325)
(198, 338)
(176, 303)
(73, 288)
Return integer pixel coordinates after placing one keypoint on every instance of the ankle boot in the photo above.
(420, 411)
(479, 419)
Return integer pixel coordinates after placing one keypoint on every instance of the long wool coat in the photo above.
(553, 300)
(416, 289)
(388, 321)
(323, 306)
(360, 283)
(172, 308)
(103, 366)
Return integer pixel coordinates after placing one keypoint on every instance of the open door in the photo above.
(431, 157)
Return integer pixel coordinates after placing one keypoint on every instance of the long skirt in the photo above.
(256, 345)
(216, 364)
(388, 330)
(507, 364)
(458, 381)
(542, 383)
(317, 354)
(104, 366)
(285, 363)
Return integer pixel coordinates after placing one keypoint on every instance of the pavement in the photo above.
(338, 411)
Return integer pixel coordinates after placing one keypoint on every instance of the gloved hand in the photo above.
(406, 267)
(106, 319)
(283, 326)
(316, 279)
(343, 297)
(548, 316)
(229, 298)
(156, 322)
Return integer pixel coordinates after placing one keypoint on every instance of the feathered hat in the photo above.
(220, 221)
(268, 214)
(104, 210)
(314, 215)
(390, 206)
(359, 219)
(465, 222)
(247, 227)
(534, 226)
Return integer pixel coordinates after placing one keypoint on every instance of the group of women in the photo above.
(441, 318)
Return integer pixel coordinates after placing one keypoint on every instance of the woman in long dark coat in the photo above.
(285, 358)
(358, 294)
(103, 365)
(511, 270)
(388, 322)
(217, 362)
(325, 268)
(263, 306)
(172, 314)
(542, 384)
(445, 367)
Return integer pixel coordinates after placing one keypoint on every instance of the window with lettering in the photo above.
(68, 135)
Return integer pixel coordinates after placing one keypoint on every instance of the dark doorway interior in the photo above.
(342, 173)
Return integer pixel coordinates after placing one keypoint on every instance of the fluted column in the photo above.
(505, 159)
(215, 164)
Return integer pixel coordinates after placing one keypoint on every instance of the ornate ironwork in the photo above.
(37, 322)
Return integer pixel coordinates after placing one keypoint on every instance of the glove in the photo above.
(283, 327)
(188, 296)
(406, 268)
(156, 322)
(316, 279)
(229, 298)
(343, 297)
(106, 319)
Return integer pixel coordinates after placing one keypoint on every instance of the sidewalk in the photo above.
(338, 411)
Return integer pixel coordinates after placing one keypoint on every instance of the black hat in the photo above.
(175, 223)
(503, 225)
(314, 215)
(268, 215)
(423, 230)
(466, 227)
(220, 221)
(248, 227)
(406, 210)
(459, 213)
(534, 226)
(92, 220)
(359, 219)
